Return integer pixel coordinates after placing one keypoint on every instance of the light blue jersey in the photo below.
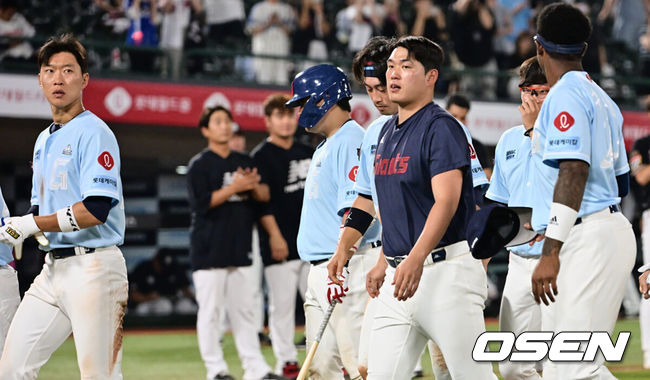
(512, 177)
(365, 183)
(79, 160)
(578, 121)
(5, 251)
(478, 175)
(329, 190)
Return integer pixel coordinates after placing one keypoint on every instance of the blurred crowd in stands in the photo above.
(241, 40)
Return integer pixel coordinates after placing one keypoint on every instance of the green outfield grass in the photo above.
(175, 355)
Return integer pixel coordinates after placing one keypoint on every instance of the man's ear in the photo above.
(431, 77)
(85, 77)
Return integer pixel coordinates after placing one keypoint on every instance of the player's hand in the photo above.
(245, 179)
(335, 293)
(337, 264)
(375, 278)
(279, 247)
(643, 284)
(15, 230)
(545, 277)
(538, 237)
(407, 277)
(529, 110)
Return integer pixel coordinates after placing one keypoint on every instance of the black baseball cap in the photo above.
(496, 226)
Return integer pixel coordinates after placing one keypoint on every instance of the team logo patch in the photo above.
(510, 154)
(353, 173)
(68, 150)
(563, 121)
(37, 155)
(106, 160)
(472, 152)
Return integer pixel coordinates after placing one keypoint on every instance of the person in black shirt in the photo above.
(640, 170)
(223, 186)
(458, 106)
(160, 287)
(283, 164)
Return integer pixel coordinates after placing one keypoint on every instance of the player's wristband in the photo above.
(562, 218)
(359, 220)
(66, 219)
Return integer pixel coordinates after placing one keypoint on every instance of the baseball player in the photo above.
(77, 202)
(640, 169)
(322, 92)
(369, 67)
(9, 293)
(222, 187)
(283, 164)
(424, 190)
(579, 153)
(511, 184)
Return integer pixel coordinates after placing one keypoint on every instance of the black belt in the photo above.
(316, 262)
(439, 255)
(612, 209)
(62, 253)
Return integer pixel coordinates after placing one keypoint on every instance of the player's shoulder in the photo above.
(91, 124)
(198, 160)
(260, 149)
(379, 122)
(302, 148)
(350, 133)
(514, 133)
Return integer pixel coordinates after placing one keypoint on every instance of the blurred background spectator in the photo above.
(13, 28)
(356, 23)
(142, 32)
(270, 24)
(225, 21)
(311, 33)
(160, 286)
(175, 19)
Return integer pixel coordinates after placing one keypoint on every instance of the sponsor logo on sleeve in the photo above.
(106, 160)
(353, 173)
(563, 121)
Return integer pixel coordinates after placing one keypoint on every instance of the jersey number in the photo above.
(59, 178)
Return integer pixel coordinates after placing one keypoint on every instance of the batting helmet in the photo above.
(320, 82)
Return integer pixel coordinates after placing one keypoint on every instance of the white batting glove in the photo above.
(335, 293)
(15, 230)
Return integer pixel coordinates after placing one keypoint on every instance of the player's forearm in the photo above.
(434, 228)
(83, 217)
(569, 190)
(261, 193)
(270, 225)
(642, 175)
(350, 236)
(220, 196)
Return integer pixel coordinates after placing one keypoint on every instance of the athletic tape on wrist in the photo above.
(66, 219)
(562, 218)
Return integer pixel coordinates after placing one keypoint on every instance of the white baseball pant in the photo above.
(595, 262)
(337, 347)
(85, 295)
(9, 299)
(226, 290)
(446, 308)
(519, 312)
(282, 280)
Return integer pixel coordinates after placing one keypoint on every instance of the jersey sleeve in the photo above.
(198, 188)
(448, 148)
(568, 133)
(347, 167)
(498, 190)
(100, 164)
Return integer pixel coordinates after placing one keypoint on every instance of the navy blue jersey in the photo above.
(428, 143)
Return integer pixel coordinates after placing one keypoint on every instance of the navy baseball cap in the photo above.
(496, 226)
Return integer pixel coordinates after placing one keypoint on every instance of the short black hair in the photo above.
(423, 50)
(344, 104)
(63, 43)
(460, 100)
(277, 102)
(376, 51)
(4, 4)
(204, 120)
(530, 72)
(562, 23)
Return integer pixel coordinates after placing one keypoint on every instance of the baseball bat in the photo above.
(312, 350)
